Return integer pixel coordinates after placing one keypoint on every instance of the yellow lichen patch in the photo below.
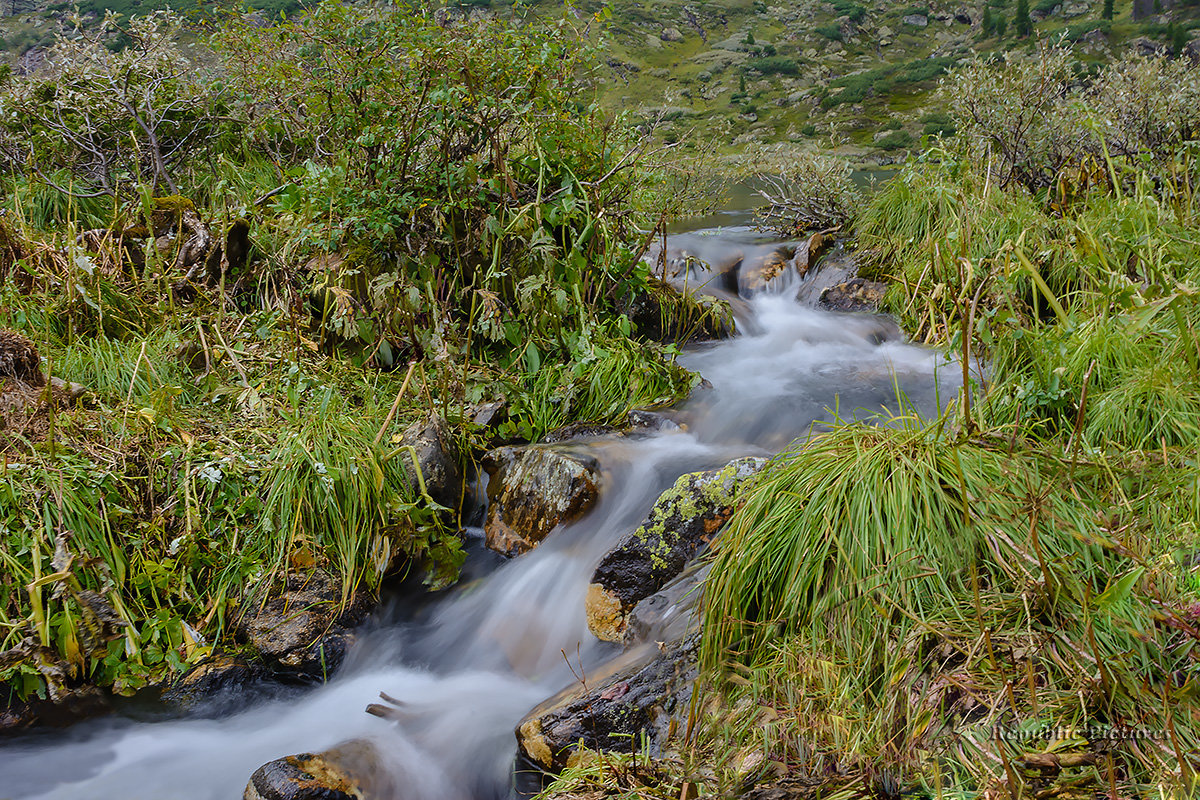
(534, 743)
(605, 616)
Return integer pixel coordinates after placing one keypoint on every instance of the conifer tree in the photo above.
(1108, 9)
(1022, 24)
(988, 24)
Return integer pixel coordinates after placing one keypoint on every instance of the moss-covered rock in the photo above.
(685, 518)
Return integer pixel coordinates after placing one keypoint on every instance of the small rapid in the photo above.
(469, 667)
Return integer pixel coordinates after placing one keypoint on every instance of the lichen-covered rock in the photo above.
(533, 489)
(685, 518)
(637, 693)
(438, 457)
(306, 631)
(350, 771)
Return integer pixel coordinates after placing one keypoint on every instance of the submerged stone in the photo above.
(685, 518)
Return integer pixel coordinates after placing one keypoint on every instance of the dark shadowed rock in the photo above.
(533, 489)
(856, 294)
(350, 771)
(685, 518)
(213, 678)
(306, 631)
(637, 693)
(438, 458)
(578, 430)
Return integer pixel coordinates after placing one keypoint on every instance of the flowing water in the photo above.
(472, 665)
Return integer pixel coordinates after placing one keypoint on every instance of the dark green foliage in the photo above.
(848, 8)
(832, 31)
(1022, 23)
(1107, 12)
(774, 65)
(988, 25)
(883, 81)
(896, 140)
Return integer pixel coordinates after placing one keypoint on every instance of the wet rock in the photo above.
(19, 360)
(637, 693)
(489, 415)
(215, 677)
(758, 275)
(578, 430)
(533, 489)
(685, 518)
(856, 294)
(306, 631)
(350, 771)
(438, 458)
(669, 614)
(644, 421)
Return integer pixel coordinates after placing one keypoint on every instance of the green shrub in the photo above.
(832, 31)
(896, 140)
(774, 65)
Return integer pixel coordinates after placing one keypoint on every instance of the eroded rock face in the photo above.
(533, 489)
(305, 632)
(685, 518)
(351, 771)
(636, 693)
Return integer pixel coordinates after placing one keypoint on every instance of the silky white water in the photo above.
(473, 665)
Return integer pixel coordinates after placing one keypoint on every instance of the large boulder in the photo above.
(306, 631)
(533, 489)
(685, 518)
(637, 693)
(350, 771)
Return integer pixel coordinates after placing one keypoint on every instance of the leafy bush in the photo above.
(1038, 117)
(111, 120)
